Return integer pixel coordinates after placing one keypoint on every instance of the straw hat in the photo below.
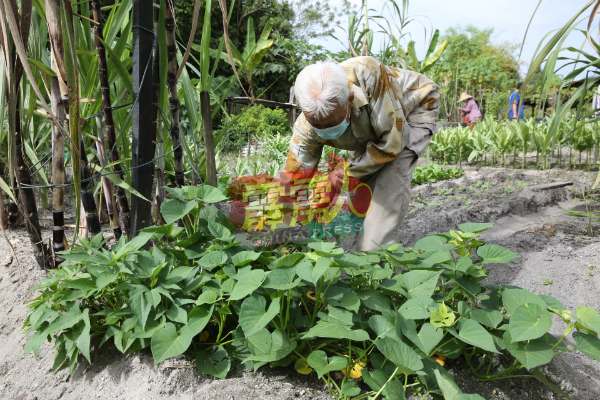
(464, 96)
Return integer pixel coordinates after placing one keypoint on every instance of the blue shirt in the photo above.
(515, 97)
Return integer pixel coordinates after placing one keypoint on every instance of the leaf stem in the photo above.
(567, 331)
(383, 387)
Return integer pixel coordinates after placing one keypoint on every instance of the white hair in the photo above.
(320, 87)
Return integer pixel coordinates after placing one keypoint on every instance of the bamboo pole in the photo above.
(172, 85)
(109, 124)
(142, 174)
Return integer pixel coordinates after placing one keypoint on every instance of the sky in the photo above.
(508, 18)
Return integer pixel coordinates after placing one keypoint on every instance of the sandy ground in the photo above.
(552, 247)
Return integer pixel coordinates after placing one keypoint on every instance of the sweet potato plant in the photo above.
(385, 318)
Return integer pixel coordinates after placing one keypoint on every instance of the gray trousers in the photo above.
(392, 194)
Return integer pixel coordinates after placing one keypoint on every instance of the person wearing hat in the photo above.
(470, 110)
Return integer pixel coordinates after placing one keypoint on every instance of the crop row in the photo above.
(556, 143)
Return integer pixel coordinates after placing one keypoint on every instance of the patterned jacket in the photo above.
(393, 109)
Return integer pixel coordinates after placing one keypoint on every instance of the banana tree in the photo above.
(254, 51)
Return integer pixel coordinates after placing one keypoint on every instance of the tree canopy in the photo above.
(479, 61)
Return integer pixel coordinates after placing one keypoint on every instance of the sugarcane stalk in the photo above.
(3, 214)
(155, 79)
(58, 173)
(41, 251)
(158, 143)
(172, 86)
(14, 214)
(22, 172)
(109, 124)
(70, 52)
(87, 195)
(58, 89)
(56, 41)
(102, 210)
(82, 224)
(111, 207)
(209, 144)
(160, 184)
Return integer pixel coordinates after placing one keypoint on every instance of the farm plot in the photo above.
(556, 256)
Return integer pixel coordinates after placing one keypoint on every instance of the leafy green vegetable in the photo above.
(313, 305)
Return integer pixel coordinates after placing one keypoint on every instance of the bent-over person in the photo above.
(384, 115)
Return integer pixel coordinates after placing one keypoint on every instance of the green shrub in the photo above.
(311, 304)
(259, 121)
(433, 173)
(275, 148)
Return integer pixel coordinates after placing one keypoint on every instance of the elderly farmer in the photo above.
(471, 109)
(384, 115)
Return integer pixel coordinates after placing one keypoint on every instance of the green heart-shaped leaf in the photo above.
(474, 334)
(531, 353)
(252, 281)
(400, 354)
(217, 363)
(253, 316)
(528, 322)
(318, 361)
(167, 342)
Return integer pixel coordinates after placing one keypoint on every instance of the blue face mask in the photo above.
(334, 132)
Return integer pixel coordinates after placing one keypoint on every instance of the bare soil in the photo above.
(552, 247)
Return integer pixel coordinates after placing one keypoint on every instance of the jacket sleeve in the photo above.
(305, 149)
(387, 119)
(397, 97)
